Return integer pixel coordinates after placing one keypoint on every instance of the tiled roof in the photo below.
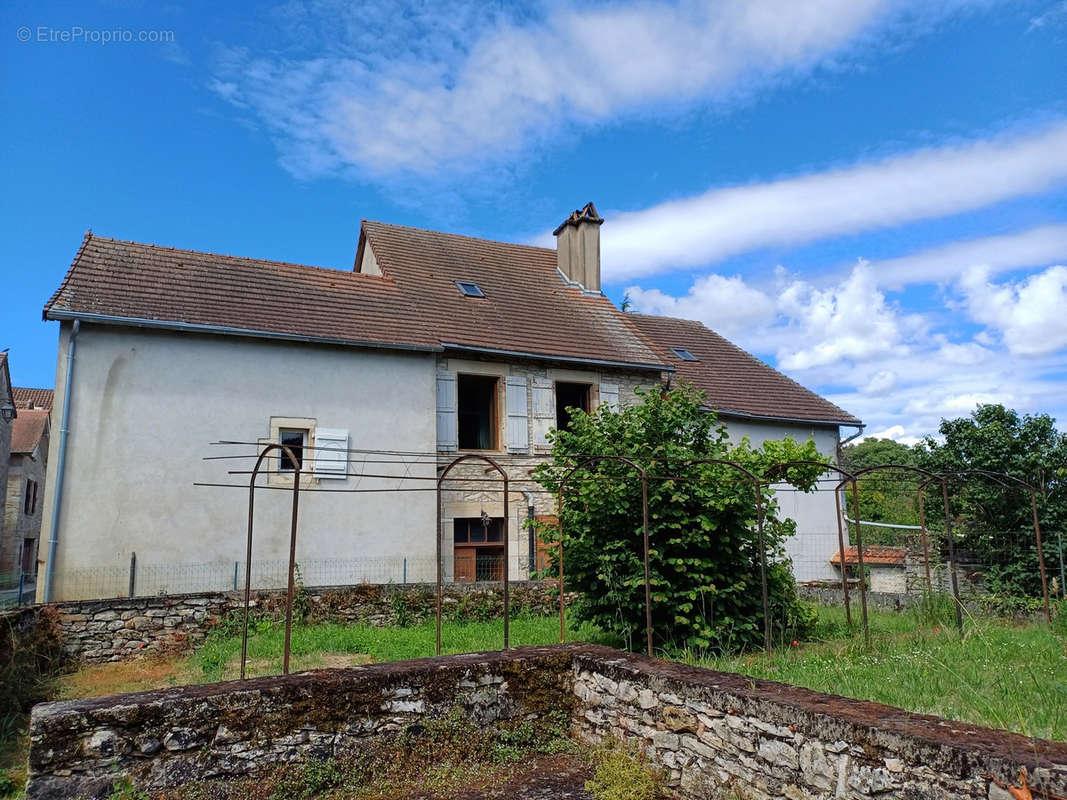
(165, 285)
(731, 379)
(27, 429)
(527, 306)
(32, 398)
(874, 554)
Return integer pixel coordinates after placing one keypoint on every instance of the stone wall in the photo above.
(169, 737)
(715, 735)
(722, 735)
(123, 628)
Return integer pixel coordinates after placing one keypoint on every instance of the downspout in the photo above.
(53, 531)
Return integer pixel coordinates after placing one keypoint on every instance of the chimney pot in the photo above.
(578, 247)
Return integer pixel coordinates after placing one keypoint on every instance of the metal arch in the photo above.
(506, 533)
(757, 488)
(292, 552)
(644, 531)
(1000, 477)
(848, 476)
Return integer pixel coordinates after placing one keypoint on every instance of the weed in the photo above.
(125, 790)
(623, 774)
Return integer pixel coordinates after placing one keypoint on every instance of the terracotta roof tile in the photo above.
(874, 554)
(164, 284)
(32, 398)
(733, 380)
(527, 305)
(27, 429)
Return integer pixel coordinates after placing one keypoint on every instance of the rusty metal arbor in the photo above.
(437, 537)
(644, 535)
(297, 464)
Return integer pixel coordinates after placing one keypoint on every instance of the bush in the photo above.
(31, 655)
(622, 774)
(704, 556)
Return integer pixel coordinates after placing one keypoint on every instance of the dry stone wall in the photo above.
(714, 735)
(119, 629)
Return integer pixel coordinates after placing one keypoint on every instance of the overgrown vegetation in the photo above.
(999, 674)
(622, 773)
(435, 757)
(704, 558)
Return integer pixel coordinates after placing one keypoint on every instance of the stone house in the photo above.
(8, 414)
(434, 345)
(25, 491)
(888, 567)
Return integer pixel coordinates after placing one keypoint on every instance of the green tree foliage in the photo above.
(995, 528)
(704, 554)
(885, 496)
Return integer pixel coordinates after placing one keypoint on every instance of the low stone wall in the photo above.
(714, 734)
(722, 735)
(118, 629)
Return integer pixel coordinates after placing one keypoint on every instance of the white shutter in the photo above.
(518, 431)
(447, 419)
(609, 395)
(544, 411)
(331, 453)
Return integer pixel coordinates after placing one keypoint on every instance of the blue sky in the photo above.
(869, 194)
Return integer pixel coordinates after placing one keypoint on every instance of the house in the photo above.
(887, 566)
(25, 492)
(433, 345)
(8, 414)
(32, 398)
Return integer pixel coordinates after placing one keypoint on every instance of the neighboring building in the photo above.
(25, 492)
(434, 345)
(887, 566)
(32, 398)
(8, 414)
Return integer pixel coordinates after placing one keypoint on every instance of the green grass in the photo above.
(215, 659)
(998, 674)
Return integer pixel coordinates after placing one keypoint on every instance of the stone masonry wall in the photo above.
(118, 629)
(721, 735)
(714, 734)
(169, 737)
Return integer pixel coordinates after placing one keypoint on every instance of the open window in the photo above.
(479, 549)
(477, 411)
(296, 439)
(570, 396)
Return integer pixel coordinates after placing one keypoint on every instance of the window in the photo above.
(295, 439)
(29, 499)
(470, 289)
(478, 548)
(570, 396)
(684, 354)
(29, 556)
(477, 415)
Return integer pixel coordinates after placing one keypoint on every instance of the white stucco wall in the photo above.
(815, 513)
(145, 408)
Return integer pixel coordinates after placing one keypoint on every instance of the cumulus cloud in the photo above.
(894, 432)
(728, 304)
(1030, 314)
(391, 88)
(925, 184)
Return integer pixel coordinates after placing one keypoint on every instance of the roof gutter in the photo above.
(799, 420)
(547, 357)
(226, 330)
(61, 460)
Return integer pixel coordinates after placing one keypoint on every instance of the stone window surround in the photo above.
(273, 462)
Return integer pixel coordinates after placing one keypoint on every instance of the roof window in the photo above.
(470, 289)
(684, 354)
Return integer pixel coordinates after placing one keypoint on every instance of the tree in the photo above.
(885, 496)
(995, 527)
(704, 553)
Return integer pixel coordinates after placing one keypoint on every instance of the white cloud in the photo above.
(383, 88)
(1030, 248)
(894, 432)
(728, 304)
(920, 185)
(1030, 314)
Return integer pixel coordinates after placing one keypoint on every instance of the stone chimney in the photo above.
(578, 247)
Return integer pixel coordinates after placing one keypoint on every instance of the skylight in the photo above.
(470, 289)
(684, 354)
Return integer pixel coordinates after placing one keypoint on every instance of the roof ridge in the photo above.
(459, 235)
(252, 259)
